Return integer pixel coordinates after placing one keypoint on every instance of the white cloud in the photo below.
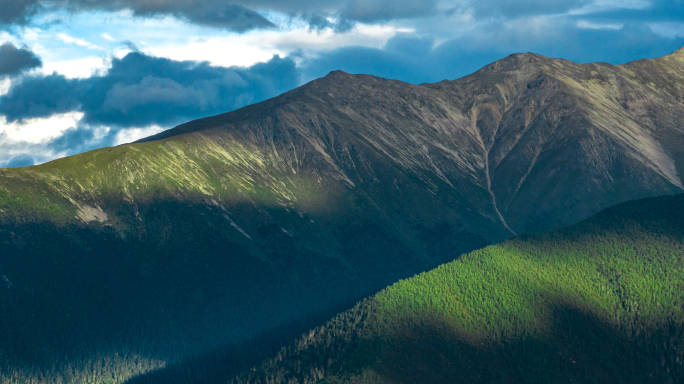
(76, 69)
(39, 130)
(218, 51)
(7, 38)
(130, 135)
(107, 37)
(80, 42)
(374, 36)
(590, 25)
(259, 46)
(671, 30)
(34, 34)
(605, 5)
(5, 85)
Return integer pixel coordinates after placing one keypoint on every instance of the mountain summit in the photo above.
(550, 141)
(226, 227)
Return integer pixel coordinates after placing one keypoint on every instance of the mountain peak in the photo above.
(337, 73)
(678, 53)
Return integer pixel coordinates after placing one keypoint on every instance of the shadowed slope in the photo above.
(598, 302)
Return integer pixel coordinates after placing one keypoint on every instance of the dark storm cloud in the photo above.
(207, 12)
(37, 96)
(14, 61)
(23, 160)
(242, 12)
(204, 12)
(17, 11)
(243, 15)
(231, 16)
(139, 90)
(237, 15)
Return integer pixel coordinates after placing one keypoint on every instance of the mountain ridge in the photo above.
(285, 209)
(622, 127)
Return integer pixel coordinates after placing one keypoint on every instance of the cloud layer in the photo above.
(238, 15)
(14, 61)
(140, 90)
(136, 97)
(17, 11)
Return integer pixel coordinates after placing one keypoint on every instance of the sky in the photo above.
(77, 75)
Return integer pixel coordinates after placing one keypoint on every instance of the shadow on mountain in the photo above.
(576, 348)
(82, 301)
(579, 348)
(221, 364)
(597, 302)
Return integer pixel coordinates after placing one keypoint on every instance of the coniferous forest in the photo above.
(598, 302)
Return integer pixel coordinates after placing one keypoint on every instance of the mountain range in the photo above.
(131, 259)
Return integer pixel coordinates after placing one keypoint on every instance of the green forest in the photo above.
(598, 302)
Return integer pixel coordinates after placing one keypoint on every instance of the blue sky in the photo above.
(77, 75)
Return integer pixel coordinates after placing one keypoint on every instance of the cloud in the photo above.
(130, 135)
(382, 10)
(230, 16)
(77, 140)
(238, 15)
(511, 9)
(204, 12)
(39, 97)
(51, 116)
(140, 90)
(655, 11)
(418, 60)
(76, 68)
(17, 11)
(23, 160)
(245, 15)
(80, 42)
(14, 61)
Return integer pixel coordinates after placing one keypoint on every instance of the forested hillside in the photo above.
(598, 302)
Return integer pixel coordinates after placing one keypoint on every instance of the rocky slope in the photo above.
(226, 227)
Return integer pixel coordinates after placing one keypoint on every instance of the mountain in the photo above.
(126, 260)
(598, 302)
(550, 142)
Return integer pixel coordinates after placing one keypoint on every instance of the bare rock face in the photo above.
(228, 226)
(564, 140)
(529, 142)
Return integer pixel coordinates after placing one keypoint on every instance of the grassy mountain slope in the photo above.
(162, 250)
(165, 274)
(598, 302)
(125, 259)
